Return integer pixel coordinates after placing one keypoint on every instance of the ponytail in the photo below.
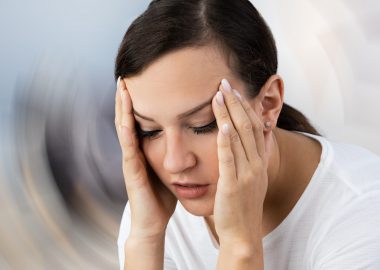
(293, 120)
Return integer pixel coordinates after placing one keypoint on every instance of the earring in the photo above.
(267, 124)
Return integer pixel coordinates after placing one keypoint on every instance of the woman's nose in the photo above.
(178, 157)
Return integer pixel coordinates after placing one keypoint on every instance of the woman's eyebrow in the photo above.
(182, 115)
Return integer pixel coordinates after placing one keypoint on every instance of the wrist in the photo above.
(151, 246)
(242, 249)
(240, 255)
(144, 253)
(147, 234)
(145, 237)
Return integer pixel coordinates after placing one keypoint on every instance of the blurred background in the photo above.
(61, 186)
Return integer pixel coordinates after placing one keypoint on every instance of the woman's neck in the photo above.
(294, 159)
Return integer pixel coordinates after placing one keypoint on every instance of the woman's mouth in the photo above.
(190, 191)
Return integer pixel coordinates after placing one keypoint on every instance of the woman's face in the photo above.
(179, 142)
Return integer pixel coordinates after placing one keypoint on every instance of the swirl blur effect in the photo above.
(61, 186)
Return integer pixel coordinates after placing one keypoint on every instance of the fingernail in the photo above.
(122, 94)
(225, 129)
(118, 82)
(238, 95)
(219, 98)
(226, 85)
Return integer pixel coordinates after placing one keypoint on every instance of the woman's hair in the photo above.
(235, 26)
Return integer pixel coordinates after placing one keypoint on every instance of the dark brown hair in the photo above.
(234, 25)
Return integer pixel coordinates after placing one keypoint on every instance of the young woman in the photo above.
(220, 173)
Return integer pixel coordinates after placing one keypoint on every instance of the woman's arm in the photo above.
(151, 203)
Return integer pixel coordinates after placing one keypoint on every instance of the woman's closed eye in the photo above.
(205, 129)
(197, 130)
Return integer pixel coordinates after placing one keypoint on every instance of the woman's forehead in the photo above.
(179, 79)
(186, 69)
(171, 103)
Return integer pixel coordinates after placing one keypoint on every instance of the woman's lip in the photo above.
(190, 191)
(188, 184)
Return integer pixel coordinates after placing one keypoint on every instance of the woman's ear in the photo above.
(268, 103)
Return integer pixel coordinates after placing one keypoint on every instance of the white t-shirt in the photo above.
(334, 225)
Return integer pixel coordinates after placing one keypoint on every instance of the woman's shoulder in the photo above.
(347, 178)
(346, 151)
(357, 165)
(352, 164)
(343, 205)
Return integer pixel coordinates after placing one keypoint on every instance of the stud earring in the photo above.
(267, 124)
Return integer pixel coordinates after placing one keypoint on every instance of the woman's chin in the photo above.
(198, 207)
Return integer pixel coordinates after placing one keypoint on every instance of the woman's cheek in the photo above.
(213, 157)
(205, 147)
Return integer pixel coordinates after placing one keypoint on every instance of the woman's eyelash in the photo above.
(142, 133)
(205, 129)
(149, 134)
(197, 130)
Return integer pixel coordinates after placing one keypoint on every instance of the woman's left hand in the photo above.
(243, 179)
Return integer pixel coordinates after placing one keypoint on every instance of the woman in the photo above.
(201, 120)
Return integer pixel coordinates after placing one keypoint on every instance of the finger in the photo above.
(133, 168)
(123, 105)
(130, 155)
(226, 159)
(117, 105)
(257, 126)
(222, 117)
(134, 172)
(127, 121)
(241, 120)
(127, 117)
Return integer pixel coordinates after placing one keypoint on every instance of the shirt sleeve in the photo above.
(352, 241)
(125, 227)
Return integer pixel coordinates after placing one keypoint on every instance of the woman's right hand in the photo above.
(152, 204)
